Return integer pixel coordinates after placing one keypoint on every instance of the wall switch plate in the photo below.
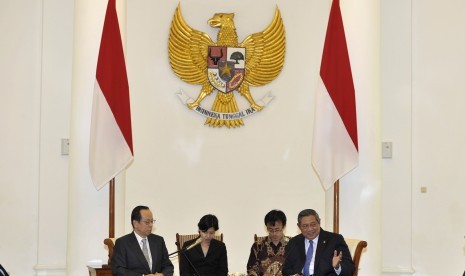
(386, 150)
(64, 146)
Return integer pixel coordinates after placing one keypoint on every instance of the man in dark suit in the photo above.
(141, 252)
(3, 271)
(315, 251)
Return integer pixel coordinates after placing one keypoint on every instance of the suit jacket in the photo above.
(327, 243)
(128, 258)
(215, 263)
(3, 271)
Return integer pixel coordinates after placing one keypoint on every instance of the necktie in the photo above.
(308, 259)
(145, 250)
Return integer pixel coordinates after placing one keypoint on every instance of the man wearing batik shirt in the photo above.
(267, 255)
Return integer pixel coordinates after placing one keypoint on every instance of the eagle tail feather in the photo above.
(224, 103)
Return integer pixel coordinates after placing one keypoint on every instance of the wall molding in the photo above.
(50, 269)
(398, 270)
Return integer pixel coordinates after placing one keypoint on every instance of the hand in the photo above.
(337, 259)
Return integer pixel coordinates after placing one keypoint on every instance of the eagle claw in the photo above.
(192, 105)
(256, 107)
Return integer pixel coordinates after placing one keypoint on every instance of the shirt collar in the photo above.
(139, 238)
(315, 240)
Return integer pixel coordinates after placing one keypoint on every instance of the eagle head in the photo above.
(221, 20)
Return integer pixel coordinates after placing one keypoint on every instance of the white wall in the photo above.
(438, 135)
(422, 108)
(35, 71)
(54, 119)
(20, 67)
(396, 121)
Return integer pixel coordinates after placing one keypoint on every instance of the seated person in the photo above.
(141, 252)
(207, 256)
(316, 251)
(267, 256)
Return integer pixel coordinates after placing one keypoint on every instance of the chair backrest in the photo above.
(181, 239)
(257, 238)
(110, 243)
(356, 248)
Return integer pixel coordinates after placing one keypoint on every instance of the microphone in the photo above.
(199, 240)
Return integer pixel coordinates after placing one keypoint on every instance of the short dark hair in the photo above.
(135, 215)
(275, 215)
(308, 212)
(208, 221)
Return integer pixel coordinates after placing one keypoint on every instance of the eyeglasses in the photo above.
(311, 225)
(148, 222)
(274, 230)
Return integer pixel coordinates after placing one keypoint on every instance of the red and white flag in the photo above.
(110, 149)
(335, 141)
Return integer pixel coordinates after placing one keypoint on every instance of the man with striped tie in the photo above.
(141, 252)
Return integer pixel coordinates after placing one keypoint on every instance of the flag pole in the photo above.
(111, 211)
(336, 207)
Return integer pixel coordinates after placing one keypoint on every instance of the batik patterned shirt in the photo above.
(266, 258)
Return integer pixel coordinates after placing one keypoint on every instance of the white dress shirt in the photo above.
(139, 239)
(312, 263)
(307, 245)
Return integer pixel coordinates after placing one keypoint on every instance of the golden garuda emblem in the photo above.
(227, 65)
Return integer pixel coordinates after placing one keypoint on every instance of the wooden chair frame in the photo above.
(110, 243)
(356, 247)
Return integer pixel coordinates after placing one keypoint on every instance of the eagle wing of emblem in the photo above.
(265, 55)
(188, 50)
